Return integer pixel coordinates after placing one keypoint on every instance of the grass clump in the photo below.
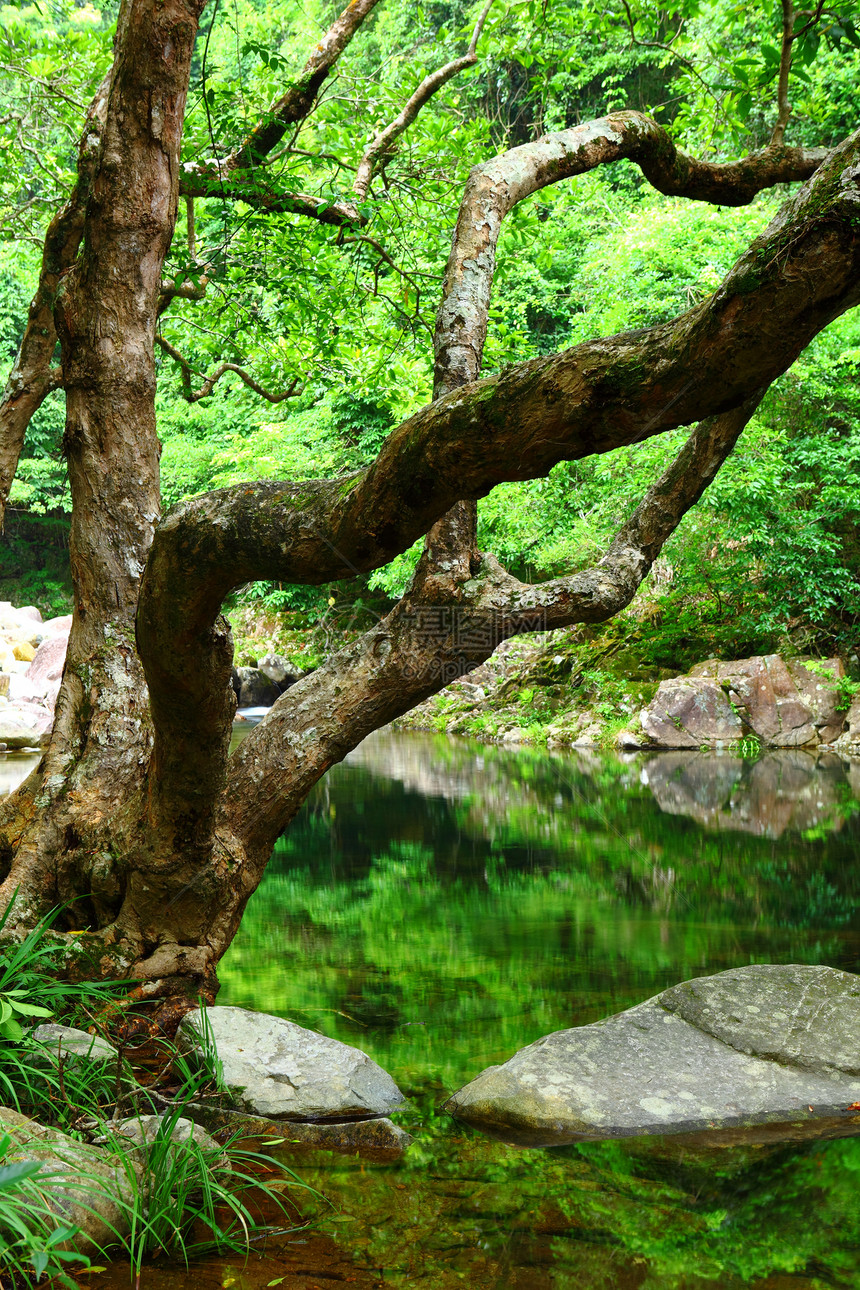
(160, 1187)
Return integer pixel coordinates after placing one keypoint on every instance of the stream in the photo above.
(440, 903)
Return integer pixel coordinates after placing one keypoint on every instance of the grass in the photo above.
(30, 1233)
(177, 1197)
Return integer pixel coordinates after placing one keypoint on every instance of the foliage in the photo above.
(29, 1232)
(291, 299)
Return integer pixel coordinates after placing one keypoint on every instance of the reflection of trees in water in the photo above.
(396, 919)
(441, 905)
(715, 836)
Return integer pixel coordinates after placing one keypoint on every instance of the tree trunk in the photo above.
(81, 844)
(129, 817)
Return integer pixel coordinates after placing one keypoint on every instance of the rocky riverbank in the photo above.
(562, 694)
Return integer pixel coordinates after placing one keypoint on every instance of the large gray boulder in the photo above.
(755, 1045)
(784, 703)
(276, 1069)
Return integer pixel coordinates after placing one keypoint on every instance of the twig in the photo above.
(209, 382)
(381, 145)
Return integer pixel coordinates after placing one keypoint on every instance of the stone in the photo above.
(253, 688)
(379, 1139)
(88, 1190)
(688, 712)
(21, 728)
(853, 722)
(57, 626)
(279, 1070)
(785, 703)
(280, 670)
(76, 1045)
(48, 662)
(764, 1044)
(24, 652)
(141, 1131)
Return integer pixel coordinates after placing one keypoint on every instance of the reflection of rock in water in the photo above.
(785, 790)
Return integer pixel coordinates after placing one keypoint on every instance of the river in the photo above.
(441, 903)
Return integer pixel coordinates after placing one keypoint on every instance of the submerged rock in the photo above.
(754, 1045)
(276, 1069)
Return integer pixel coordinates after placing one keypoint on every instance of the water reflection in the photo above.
(14, 769)
(441, 903)
(782, 790)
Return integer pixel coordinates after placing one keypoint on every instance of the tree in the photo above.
(134, 814)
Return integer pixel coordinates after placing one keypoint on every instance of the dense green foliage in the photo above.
(771, 549)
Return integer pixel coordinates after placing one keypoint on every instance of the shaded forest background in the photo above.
(767, 560)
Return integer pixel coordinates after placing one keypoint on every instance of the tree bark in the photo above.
(105, 310)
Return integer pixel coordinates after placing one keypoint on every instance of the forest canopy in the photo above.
(341, 319)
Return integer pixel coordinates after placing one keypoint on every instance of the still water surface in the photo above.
(441, 903)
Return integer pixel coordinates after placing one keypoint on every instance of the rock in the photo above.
(20, 728)
(98, 1193)
(853, 722)
(379, 1138)
(57, 626)
(628, 739)
(687, 713)
(141, 1131)
(48, 661)
(253, 688)
(589, 737)
(754, 1045)
(517, 735)
(279, 670)
(24, 652)
(76, 1045)
(782, 702)
(279, 1070)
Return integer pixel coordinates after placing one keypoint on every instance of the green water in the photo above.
(440, 904)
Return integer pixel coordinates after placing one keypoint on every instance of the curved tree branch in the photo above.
(422, 646)
(803, 272)
(495, 187)
(293, 106)
(248, 188)
(32, 378)
(432, 83)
